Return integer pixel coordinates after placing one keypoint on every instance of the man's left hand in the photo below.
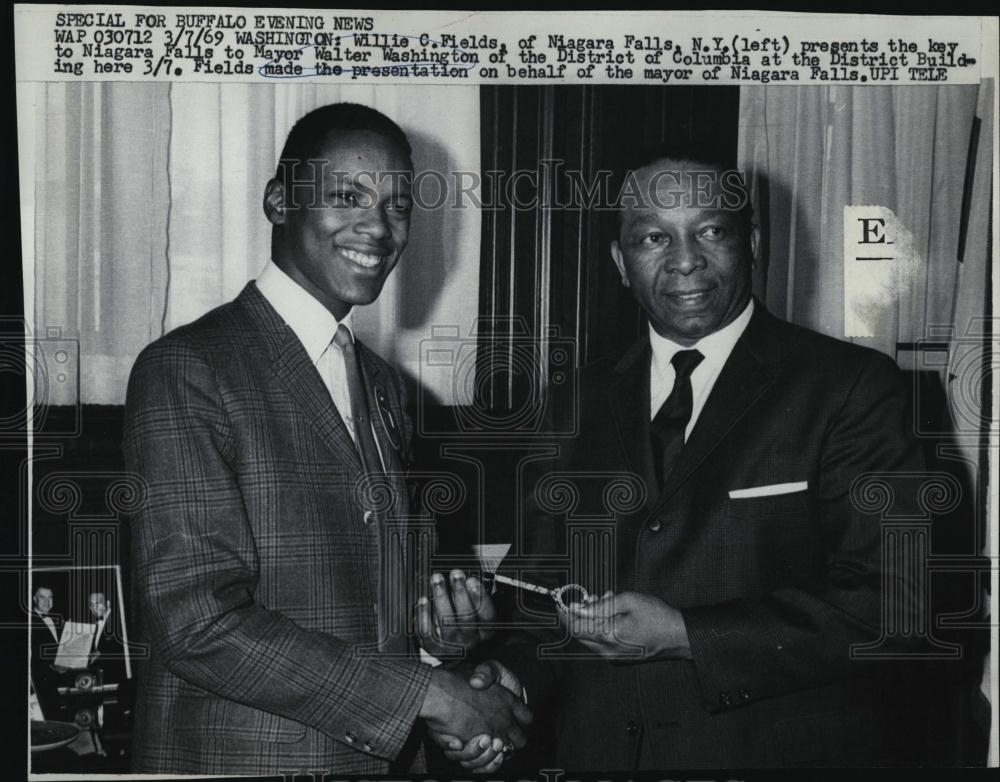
(454, 619)
(628, 625)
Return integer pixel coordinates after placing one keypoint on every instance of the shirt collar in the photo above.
(715, 347)
(311, 322)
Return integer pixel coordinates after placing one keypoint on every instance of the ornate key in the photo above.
(556, 594)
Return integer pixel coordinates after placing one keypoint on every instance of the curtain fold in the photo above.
(809, 151)
(100, 231)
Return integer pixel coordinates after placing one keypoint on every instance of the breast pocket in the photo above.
(788, 503)
(768, 541)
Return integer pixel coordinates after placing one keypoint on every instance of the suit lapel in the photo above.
(385, 414)
(750, 370)
(631, 415)
(293, 369)
(386, 417)
(43, 627)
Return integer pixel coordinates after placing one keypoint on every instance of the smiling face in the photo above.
(341, 236)
(686, 257)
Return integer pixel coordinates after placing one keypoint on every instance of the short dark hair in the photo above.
(305, 139)
(693, 150)
(694, 154)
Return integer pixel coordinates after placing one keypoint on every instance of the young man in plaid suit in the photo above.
(272, 587)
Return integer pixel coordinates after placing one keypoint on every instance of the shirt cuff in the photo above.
(428, 658)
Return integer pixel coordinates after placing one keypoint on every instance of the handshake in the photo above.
(480, 720)
(478, 717)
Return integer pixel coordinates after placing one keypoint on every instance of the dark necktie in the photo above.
(670, 421)
(364, 439)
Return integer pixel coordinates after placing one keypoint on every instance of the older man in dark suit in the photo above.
(107, 649)
(276, 558)
(46, 628)
(749, 560)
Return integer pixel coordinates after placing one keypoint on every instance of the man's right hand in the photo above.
(453, 707)
(480, 753)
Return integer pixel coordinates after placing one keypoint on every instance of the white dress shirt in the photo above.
(716, 348)
(313, 324)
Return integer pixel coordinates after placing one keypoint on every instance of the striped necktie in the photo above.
(360, 411)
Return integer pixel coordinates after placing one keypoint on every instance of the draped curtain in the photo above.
(926, 153)
(810, 151)
(144, 201)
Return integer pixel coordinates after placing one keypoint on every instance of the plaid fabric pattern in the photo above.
(257, 559)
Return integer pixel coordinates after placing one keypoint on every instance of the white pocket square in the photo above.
(768, 491)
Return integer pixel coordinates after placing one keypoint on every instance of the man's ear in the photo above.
(274, 202)
(755, 244)
(619, 259)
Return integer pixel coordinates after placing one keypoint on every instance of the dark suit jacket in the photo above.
(110, 655)
(43, 645)
(261, 566)
(43, 654)
(774, 589)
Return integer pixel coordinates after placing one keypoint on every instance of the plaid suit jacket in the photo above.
(764, 536)
(263, 573)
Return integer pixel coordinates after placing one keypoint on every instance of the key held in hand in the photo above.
(562, 595)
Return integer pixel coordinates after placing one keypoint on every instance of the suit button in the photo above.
(726, 698)
(654, 525)
(631, 728)
(369, 517)
(369, 747)
(351, 738)
(744, 695)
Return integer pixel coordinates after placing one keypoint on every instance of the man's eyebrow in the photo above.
(368, 178)
(715, 214)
